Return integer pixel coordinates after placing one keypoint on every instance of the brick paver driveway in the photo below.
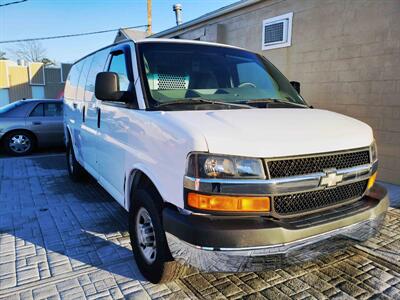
(60, 239)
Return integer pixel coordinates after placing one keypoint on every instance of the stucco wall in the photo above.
(345, 53)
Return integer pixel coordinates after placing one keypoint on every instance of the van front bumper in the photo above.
(240, 244)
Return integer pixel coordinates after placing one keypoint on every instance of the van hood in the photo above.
(275, 132)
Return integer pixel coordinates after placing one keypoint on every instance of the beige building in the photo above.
(31, 80)
(346, 54)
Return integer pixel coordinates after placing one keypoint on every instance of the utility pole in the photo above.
(149, 17)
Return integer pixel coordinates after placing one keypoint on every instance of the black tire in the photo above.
(75, 170)
(163, 268)
(25, 146)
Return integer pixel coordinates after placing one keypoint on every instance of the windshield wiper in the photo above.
(199, 100)
(269, 100)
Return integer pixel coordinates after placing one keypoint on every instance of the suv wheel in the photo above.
(75, 170)
(148, 240)
(19, 143)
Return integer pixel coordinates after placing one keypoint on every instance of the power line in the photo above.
(68, 35)
(11, 3)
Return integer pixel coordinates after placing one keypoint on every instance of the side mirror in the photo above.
(296, 85)
(107, 87)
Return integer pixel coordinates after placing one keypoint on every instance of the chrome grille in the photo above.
(308, 201)
(314, 164)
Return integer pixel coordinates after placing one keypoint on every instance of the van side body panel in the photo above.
(158, 147)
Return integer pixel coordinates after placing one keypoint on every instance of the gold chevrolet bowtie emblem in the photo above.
(331, 179)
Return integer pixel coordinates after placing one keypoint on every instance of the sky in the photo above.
(41, 18)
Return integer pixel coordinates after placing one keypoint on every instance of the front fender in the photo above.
(129, 180)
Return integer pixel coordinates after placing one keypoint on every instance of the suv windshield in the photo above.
(178, 71)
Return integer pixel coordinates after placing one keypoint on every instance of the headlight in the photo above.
(374, 152)
(224, 166)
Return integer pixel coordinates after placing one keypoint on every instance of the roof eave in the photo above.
(214, 14)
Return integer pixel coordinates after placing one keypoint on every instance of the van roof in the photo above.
(183, 41)
(161, 40)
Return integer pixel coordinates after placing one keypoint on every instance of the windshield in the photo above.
(176, 71)
(10, 107)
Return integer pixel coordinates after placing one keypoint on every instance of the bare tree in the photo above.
(48, 62)
(32, 51)
(2, 55)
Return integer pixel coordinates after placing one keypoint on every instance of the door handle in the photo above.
(98, 117)
(75, 105)
(37, 123)
(83, 114)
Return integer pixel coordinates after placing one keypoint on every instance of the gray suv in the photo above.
(27, 124)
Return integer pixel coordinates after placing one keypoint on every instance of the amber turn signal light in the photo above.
(229, 203)
(371, 181)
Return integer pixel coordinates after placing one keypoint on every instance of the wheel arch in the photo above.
(140, 179)
(67, 134)
(69, 138)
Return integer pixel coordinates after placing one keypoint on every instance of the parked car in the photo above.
(31, 123)
(220, 162)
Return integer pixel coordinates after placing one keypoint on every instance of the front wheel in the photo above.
(148, 240)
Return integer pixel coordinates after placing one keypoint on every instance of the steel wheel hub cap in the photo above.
(20, 143)
(146, 235)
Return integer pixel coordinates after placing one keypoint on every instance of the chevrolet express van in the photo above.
(218, 159)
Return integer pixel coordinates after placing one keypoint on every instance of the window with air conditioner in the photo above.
(277, 32)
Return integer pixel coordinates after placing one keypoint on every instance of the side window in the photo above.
(47, 110)
(37, 111)
(97, 66)
(80, 92)
(118, 65)
(72, 81)
(52, 109)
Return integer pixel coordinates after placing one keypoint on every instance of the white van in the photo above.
(220, 162)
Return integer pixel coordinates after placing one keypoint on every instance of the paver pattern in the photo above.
(63, 240)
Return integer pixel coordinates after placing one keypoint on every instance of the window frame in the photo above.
(91, 77)
(287, 31)
(34, 108)
(126, 50)
(117, 54)
(43, 110)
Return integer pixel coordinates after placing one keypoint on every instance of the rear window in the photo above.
(10, 107)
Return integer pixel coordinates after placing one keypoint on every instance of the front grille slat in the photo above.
(315, 164)
(309, 201)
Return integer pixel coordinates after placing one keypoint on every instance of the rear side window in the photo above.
(72, 81)
(97, 66)
(47, 110)
(80, 91)
(118, 65)
(52, 109)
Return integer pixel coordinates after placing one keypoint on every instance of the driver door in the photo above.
(112, 126)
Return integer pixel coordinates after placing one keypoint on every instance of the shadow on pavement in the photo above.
(38, 152)
(78, 224)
